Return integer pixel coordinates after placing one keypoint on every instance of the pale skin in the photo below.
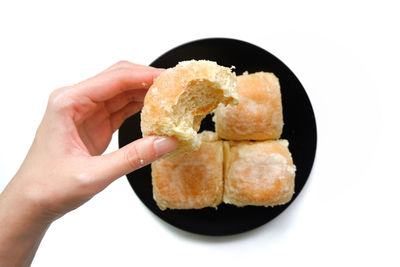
(65, 167)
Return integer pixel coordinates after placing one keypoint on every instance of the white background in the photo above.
(346, 56)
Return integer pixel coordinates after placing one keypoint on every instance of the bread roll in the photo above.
(258, 173)
(258, 116)
(190, 181)
(182, 96)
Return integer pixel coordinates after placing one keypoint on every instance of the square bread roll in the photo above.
(258, 173)
(258, 116)
(190, 181)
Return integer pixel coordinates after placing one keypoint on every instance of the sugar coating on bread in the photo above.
(190, 181)
(258, 173)
(182, 96)
(258, 116)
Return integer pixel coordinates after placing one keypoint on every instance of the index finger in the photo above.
(114, 81)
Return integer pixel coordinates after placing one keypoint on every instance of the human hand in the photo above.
(64, 167)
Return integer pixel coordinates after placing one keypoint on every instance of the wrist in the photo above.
(21, 205)
(22, 228)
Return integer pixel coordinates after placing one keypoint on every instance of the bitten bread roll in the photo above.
(190, 181)
(258, 173)
(182, 96)
(258, 116)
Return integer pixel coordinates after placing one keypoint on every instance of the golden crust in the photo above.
(258, 116)
(190, 181)
(258, 173)
(182, 96)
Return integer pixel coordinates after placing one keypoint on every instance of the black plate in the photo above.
(299, 129)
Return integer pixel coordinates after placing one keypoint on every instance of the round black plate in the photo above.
(299, 129)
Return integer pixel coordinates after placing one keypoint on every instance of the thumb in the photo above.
(134, 156)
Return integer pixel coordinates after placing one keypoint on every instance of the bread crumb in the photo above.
(144, 84)
(245, 73)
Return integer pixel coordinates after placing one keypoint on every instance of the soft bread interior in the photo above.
(208, 136)
(199, 99)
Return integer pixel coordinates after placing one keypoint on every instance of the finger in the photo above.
(133, 156)
(117, 118)
(121, 100)
(124, 64)
(108, 84)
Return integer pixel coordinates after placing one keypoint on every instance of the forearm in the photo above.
(22, 227)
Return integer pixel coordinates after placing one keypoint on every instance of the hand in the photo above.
(63, 168)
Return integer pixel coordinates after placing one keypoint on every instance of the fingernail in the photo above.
(164, 145)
